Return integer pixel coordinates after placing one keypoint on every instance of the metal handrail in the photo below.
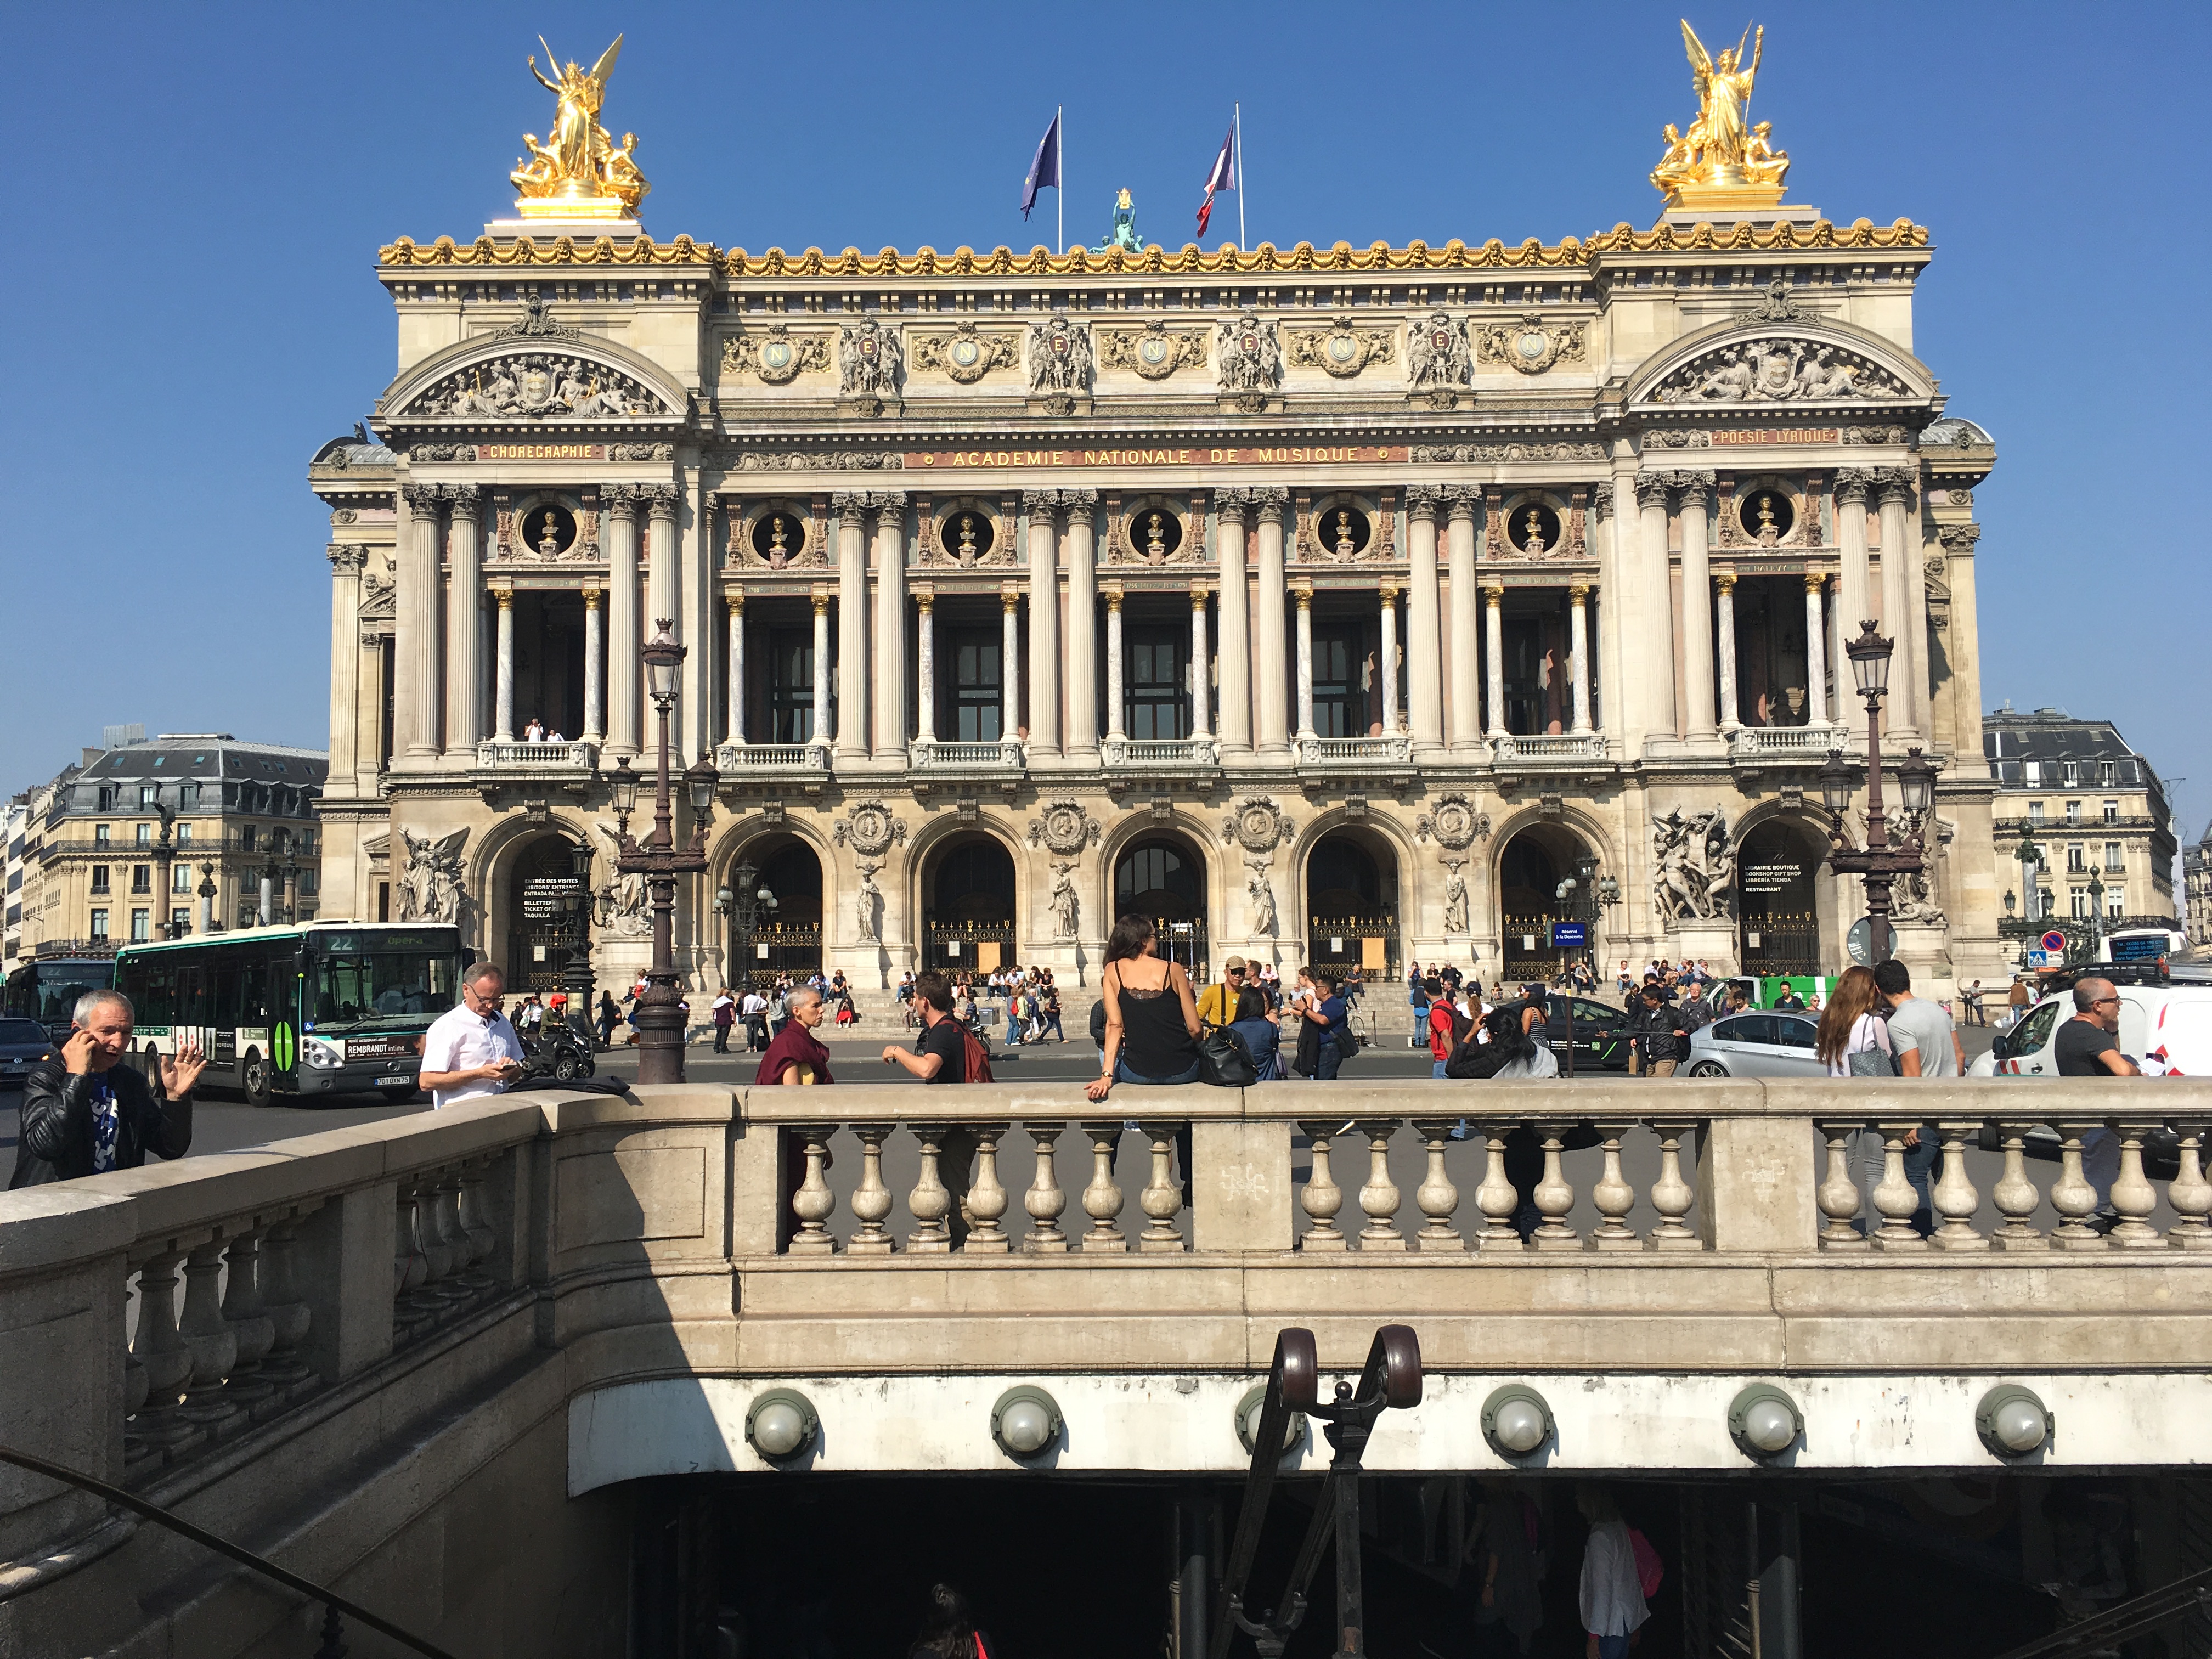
(334, 1603)
(2125, 1619)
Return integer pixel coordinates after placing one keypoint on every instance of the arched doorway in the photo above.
(1529, 871)
(785, 935)
(1164, 877)
(967, 905)
(543, 928)
(1351, 906)
(1779, 900)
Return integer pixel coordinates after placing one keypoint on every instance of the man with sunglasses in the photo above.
(2087, 1045)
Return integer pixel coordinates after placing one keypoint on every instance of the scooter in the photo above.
(555, 1051)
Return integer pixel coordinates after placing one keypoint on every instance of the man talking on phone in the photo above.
(85, 1113)
(472, 1050)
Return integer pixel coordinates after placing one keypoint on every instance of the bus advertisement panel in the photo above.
(320, 1008)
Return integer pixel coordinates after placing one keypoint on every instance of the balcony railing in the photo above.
(1512, 747)
(1392, 749)
(1001, 755)
(1160, 754)
(577, 757)
(1796, 743)
(759, 757)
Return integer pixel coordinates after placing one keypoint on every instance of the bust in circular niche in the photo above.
(549, 531)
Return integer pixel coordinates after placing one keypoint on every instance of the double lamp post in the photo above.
(1886, 857)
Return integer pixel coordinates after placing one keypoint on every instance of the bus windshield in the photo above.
(371, 979)
(48, 990)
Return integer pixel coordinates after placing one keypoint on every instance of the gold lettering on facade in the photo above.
(541, 452)
(1350, 454)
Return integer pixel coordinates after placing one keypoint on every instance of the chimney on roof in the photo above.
(122, 737)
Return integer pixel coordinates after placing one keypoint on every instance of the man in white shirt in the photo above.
(472, 1050)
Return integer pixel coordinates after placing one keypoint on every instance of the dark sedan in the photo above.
(1601, 1041)
(23, 1044)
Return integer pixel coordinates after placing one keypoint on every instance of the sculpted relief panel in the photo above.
(1343, 348)
(538, 385)
(1155, 352)
(1778, 370)
(774, 353)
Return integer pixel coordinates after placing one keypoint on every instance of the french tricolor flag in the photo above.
(1224, 177)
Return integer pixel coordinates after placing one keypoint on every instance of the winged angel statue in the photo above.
(1720, 148)
(579, 161)
(430, 886)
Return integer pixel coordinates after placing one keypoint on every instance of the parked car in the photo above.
(1600, 1033)
(1756, 1045)
(2158, 1011)
(23, 1044)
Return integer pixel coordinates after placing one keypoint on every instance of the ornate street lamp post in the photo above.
(576, 976)
(209, 920)
(165, 861)
(2096, 916)
(659, 1016)
(747, 905)
(1885, 857)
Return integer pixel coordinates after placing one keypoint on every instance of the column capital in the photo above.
(1897, 483)
(851, 507)
(1958, 537)
(1389, 591)
(1601, 500)
(1725, 581)
(1230, 506)
(821, 596)
(423, 497)
(1493, 593)
(1651, 488)
(1199, 592)
(592, 599)
(505, 594)
(1816, 581)
(1697, 488)
(1853, 483)
(1580, 591)
(1112, 593)
(887, 501)
(660, 499)
(1462, 499)
(1044, 502)
(1303, 592)
(1268, 501)
(620, 500)
(346, 556)
(1010, 595)
(1083, 498)
(924, 594)
(1422, 501)
(464, 498)
(735, 598)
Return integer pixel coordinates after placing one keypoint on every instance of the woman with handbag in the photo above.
(1151, 1017)
(1853, 1038)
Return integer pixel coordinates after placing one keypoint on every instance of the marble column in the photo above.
(1389, 654)
(1648, 619)
(1697, 602)
(1612, 508)
(1493, 642)
(819, 732)
(1201, 667)
(463, 624)
(1903, 620)
(503, 672)
(736, 683)
(1305, 593)
(347, 562)
(925, 663)
(1465, 619)
(1854, 578)
(1578, 648)
(1082, 507)
(1113, 718)
(1043, 507)
(1816, 651)
(1724, 635)
(850, 725)
(1424, 644)
(1230, 509)
(888, 671)
(1271, 681)
(660, 503)
(1010, 661)
(414, 630)
(625, 624)
(595, 669)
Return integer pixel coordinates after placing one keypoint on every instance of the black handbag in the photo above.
(1224, 1060)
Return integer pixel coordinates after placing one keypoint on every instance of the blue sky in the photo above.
(191, 306)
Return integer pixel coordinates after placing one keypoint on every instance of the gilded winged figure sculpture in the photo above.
(1722, 161)
(579, 166)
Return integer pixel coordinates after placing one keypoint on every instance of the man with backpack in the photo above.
(946, 1051)
(1447, 1026)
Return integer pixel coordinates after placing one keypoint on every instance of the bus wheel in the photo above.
(397, 1097)
(258, 1079)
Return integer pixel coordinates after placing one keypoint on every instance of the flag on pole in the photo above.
(1224, 177)
(1045, 169)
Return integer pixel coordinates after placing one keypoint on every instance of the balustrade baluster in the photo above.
(1436, 1196)
(2072, 1195)
(872, 1199)
(214, 1345)
(2016, 1197)
(2189, 1193)
(1955, 1200)
(1162, 1199)
(1379, 1195)
(931, 1200)
(162, 1351)
(2134, 1199)
(1555, 1199)
(1101, 1199)
(1046, 1199)
(986, 1199)
(290, 1316)
(813, 1203)
(1838, 1194)
(474, 1209)
(1894, 1197)
(1495, 1197)
(410, 1267)
(1671, 1195)
(1613, 1196)
(460, 1285)
(1322, 1198)
(249, 1320)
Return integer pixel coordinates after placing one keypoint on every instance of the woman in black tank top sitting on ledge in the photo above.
(1152, 1018)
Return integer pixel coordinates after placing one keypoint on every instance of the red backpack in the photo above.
(975, 1059)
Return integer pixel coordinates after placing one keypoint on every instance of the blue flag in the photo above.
(1045, 169)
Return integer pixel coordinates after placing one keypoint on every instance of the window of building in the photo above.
(2074, 856)
(180, 879)
(2073, 812)
(184, 835)
(101, 835)
(977, 713)
(2115, 903)
(1339, 671)
(99, 877)
(141, 878)
(180, 922)
(107, 798)
(2035, 813)
(2073, 773)
(142, 926)
(1157, 681)
(2105, 772)
(145, 834)
(150, 794)
(188, 797)
(790, 686)
(245, 838)
(99, 924)
(2111, 811)
(2112, 856)
(2081, 903)
(307, 881)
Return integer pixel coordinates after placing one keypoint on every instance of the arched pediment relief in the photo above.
(536, 383)
(1805, 363)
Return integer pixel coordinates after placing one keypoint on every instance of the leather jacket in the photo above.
(56, 1133)
(1654, 1032)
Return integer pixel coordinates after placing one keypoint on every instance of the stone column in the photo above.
(1578, 647)
(821, 732)
(1114, 716)
(1647, 622)
(347, 562)
(1043, 506)
(888, 670)
(851, 724)
(1425, 642)
(1697, 602)
(1816, 651)
(1388, 653)
(736, 724)
(503, 670)
(1493, 642)
(1724, 635)
(925, 663)
(1466, 612)
(1270, 676)
(660, 501)
(595, 669)
(1304, 592)
(1229, 508)
(625, 623)
(1082, 506)
(1904, 622)
(463, 624)
(1854, 579)
(1010, 661)
(1610, 505)
(414, 627)
(1201, 667)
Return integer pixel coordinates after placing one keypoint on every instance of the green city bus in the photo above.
(318, 1008)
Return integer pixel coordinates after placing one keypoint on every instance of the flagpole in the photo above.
(1238, 121)
(1060, 194)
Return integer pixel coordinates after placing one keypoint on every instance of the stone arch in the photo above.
(1878, 349)
(1799, 923)
(1353, 883)
(511, 839)
(1530, 852)
(934, 933)
(796, 931)
(1190, 938)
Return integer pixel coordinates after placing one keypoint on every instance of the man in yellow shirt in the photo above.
(1216, 1005)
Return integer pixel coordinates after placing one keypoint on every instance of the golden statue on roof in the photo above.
(1722, 161)
(578, 172)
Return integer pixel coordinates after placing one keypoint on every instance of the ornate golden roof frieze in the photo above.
(1782, 236)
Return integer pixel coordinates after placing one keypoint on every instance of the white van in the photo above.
(2160, 1019)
